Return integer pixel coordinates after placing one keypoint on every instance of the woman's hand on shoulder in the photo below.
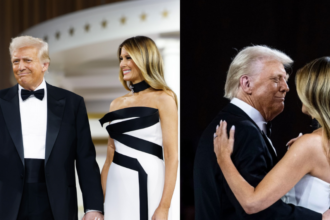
(223, 145)
(293, 140)
(309, 148)
(307, 143)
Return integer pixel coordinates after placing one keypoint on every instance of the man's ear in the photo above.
(45, 67)
(246, 84)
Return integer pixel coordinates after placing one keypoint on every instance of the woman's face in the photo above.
(130, 70)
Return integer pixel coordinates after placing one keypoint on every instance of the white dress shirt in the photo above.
(34, 123)
(254, 114)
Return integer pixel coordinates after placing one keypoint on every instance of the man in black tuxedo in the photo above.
(44, 133)
(256, 85)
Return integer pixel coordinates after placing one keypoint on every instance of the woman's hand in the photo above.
(223, 147)
(160, 214)
(293, 140)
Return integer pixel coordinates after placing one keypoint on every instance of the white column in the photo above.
(171, 55)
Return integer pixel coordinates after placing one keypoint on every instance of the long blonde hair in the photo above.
(147, 58)
(313, 88)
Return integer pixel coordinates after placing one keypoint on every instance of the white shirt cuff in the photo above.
(91, 210)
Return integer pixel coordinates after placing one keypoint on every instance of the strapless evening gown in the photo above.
(310, 192)
(136, 176)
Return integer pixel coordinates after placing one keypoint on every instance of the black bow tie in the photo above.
(39, 94)
(269, 128)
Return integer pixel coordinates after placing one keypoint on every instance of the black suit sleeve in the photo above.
(87, 168)
(251, 159)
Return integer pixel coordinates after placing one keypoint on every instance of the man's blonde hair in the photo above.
(244, 64)
(28, 41)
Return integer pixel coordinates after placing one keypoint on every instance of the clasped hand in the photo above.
(160, 214)
(93, 216)
(223, 146)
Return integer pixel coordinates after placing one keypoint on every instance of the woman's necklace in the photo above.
(138, 87)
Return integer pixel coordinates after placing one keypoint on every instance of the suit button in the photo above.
(22, 176)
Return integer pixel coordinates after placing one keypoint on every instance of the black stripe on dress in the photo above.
(133, 164)
(139, 144)
(138, 111)
(147, 117)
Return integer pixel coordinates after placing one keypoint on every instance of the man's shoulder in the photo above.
(9, 92)
(245, 129)
(62, 92)
(5, 91)
(241, 121)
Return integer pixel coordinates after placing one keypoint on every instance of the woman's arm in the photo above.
(297, 162)
(110, 152)
(106, 166)
(169, 122)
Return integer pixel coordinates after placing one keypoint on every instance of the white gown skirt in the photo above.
(136, 177)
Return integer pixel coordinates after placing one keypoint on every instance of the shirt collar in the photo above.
(253, 113)
(41, 86)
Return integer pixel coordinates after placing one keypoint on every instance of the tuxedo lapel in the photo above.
(233, 109)
(55, 109)
(11, 112)
(270, 148)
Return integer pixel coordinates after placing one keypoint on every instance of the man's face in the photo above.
(27, 68)
(269, 89)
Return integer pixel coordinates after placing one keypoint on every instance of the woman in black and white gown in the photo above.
(139, 174)
(302, 176)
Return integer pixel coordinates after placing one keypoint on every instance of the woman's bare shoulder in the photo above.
(117, 103)
(308, 144)
(164, 98)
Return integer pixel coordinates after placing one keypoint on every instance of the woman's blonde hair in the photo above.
(147, 58)
(313, 88)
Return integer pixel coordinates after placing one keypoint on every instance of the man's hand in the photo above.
(326, 215)
(93, 216)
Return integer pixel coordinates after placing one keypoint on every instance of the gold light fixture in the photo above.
(165, 13)
(123, 20)
(58, 35)
(143, 16)
(87, 26)
(71, 31)
(104, 23)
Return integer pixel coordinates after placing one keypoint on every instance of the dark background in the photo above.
(212, 32)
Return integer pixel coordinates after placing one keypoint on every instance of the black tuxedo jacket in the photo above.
(253, 157)
(68, 142)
